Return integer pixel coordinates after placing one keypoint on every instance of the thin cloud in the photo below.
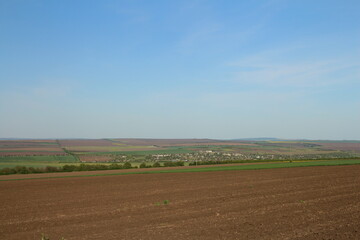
(281, 68)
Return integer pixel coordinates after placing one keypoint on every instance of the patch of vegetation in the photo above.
(156, 164)
(65, 168)
(80, 167)
(174, 164)
(224, 168)
(169, 150)
(260, 160)
(47, 158)
(36, 161)
(165, 202)
(143, 165)
(215, 162)
(44, 237)
(30, 152)
(71, 154)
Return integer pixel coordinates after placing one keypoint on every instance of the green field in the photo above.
(44, 161)
(225, 168)
(170, 150)
(270, 165)
(273, 149)
(36, 161)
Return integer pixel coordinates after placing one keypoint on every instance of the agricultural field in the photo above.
(143, 147)
(343, 146)
(187, 169)
(284, 203)
(36, 161)
(57, 153)
(30, 148)
(102, 145)
(33, 153)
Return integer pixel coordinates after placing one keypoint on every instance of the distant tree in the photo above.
(179, 163)
(51, 169)
(127, 165)
(156, 164)
(21, 170)
(68, 168)
(115, 166)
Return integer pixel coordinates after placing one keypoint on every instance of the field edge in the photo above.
(204, 169)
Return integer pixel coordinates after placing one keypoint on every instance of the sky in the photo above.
(222, 69)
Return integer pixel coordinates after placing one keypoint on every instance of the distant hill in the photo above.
(258, 139)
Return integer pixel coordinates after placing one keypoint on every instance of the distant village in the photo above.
(210, 155)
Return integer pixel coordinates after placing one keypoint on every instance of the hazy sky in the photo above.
(180, 69)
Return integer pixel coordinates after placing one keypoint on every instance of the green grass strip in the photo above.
(219, 168)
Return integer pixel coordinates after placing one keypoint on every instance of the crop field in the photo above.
(284, 203)
(344, 146)
(188, 169)
(30, 147)
(36, 161)
(42, 153)
(169, 150)
(165, 142)
(101, 146)
(177, 146)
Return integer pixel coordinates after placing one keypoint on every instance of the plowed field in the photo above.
(287, 203)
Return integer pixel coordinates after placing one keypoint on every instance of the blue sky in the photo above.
(180, 69)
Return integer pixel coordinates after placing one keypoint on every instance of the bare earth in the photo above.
(354, 147)
(288, 203)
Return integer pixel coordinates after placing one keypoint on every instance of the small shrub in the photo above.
(127, 165)
(21, 170)
(143, 165)
(115, 166)
(43, 237)
(174, 164)
(6, 171)
(69, 168)
(180, 163)
(51, 169)
(157, 164)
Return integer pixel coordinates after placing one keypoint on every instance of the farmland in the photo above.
(284, 203)
(266, 189)
(57, 153)
(30, 148)
(136, 148)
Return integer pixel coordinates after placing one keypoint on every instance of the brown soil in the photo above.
(31, 153)
(164, 142)
(45, 148)
(29, 148)
(209, 144)
(85, 142)
(355, 147)
(25, 143)
(296, 203)
(151, 142)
